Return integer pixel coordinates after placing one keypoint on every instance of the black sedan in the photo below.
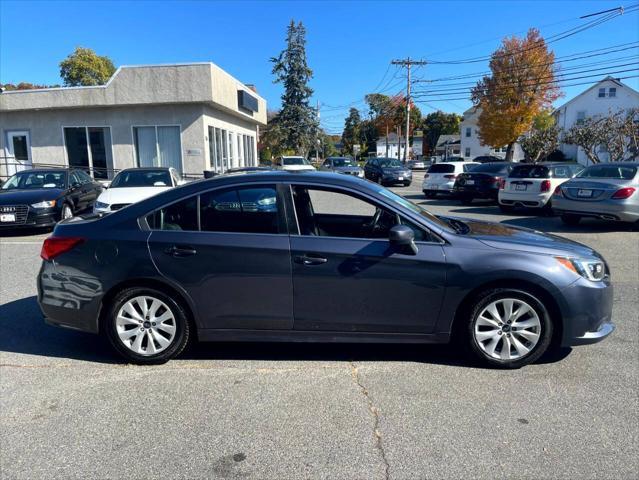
(42, 197)
(388, 171)
(289, 256)
(484, 181)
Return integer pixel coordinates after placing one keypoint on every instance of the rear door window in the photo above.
(181, 215)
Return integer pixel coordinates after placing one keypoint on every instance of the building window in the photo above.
(90, 148)
(581, 117)
(158, 146)
(468, 131)
(612, 92)
(602, 92)
(467, 152)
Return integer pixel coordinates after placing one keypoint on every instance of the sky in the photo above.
(350, 44)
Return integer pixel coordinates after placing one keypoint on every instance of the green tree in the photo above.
(24, 86)
(85, 68)
(297, 119)
(352, 134)
(542, 139)
(439, 123)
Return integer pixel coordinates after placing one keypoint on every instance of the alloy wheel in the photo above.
(507, 329)
(67, 212)
(146, 325)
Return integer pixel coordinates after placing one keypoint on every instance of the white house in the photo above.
(393, 146)
(604, 97)
(447, 146)
(471, 145)
(192, 117)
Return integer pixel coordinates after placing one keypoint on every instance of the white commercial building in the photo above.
(604, 97)
(471, 145)
(193, 117)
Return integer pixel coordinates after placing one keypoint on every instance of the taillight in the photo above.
(426, 176)
(623, 193)
(557, 192)
(501, 182)
(545, 186)
(450, 176)
(54, 246)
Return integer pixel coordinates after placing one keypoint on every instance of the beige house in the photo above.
(193, 117)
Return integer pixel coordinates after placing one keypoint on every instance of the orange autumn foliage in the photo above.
(521, 85)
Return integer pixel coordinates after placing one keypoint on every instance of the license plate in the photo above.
(584, 193)
(520, 187)
(470, 182)
(400, 178)
(8, 217)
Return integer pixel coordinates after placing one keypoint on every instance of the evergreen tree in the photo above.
(297, 119)
(352, 131)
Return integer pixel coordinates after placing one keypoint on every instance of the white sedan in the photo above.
(295, 164)
(135, 184)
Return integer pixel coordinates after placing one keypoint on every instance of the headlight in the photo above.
(44, 204)
(100, 206)
(594, 270)
(266, 201)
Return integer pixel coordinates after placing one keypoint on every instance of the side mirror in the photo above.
(402, 237)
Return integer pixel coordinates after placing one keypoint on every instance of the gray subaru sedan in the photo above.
(289, 256)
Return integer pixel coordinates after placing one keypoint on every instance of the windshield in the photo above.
(344, 162)
(609, 171)
(441, 168)
(389, 162)
(413, 207)
(530, 171)
(142, 178)
(295, 161)
(491, 168)
(32, 180)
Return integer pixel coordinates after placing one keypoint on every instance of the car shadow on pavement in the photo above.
(22, 330)
(555, 225)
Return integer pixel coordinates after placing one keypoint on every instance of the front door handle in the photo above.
(180, 251)
(310, 259)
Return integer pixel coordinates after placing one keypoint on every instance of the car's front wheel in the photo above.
(508, 328)
(67, 211)
(146, 326)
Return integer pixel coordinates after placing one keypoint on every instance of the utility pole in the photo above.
(317, 140)
(407, 63)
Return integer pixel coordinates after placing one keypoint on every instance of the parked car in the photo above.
(488, 159)
(608, 191)
(329, 258)
(531, 185)
(134, 184)
(42, 197)
(345, 165)
(248, 169)
(293, 164)
(440, 177)
(454, 159)
(417, 164)
(388, 171)
(484, 181)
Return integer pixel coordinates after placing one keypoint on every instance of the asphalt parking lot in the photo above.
(71, 409)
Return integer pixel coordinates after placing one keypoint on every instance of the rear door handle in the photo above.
(180, 251)
(310, 259)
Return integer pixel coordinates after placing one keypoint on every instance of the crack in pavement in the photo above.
(379, 446)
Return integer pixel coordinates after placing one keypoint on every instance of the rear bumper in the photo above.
(536, 200)
(606, 210)
(586, 309)
(476, 192)
(438, 187)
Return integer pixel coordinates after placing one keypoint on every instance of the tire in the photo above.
(487, 336)
(429, 194)
(506, 208)
(466, 200)
(117, 329)
(570, 219)
(547, 210)
(67, 212)
(407, 184)
(380, 181)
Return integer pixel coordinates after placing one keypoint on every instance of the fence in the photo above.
(9, 166)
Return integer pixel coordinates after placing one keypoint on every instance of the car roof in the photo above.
(137, 169)
(47, 170)
(548, 164)
(615, 164)
(457, 163)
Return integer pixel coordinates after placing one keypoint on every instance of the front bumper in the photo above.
(586, 309)
(605, 209)
(36, 218)
(393, 180)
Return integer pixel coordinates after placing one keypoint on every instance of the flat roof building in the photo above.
(192, 117)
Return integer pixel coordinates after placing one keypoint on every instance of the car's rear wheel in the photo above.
(570, 219)
(508, 328)
(67, 211)
(146, 326)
